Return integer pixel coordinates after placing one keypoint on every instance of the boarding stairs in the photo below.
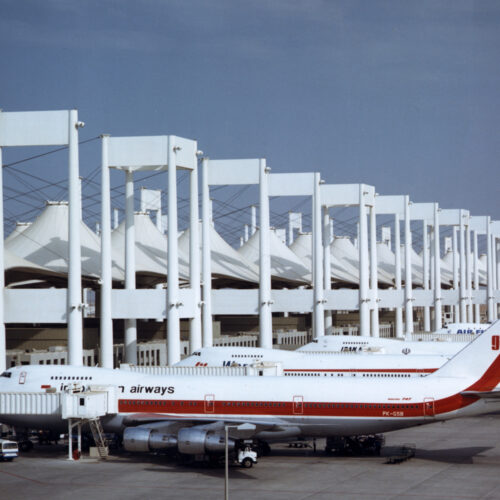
(100, 440)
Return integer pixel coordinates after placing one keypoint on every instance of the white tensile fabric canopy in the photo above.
(45, 242)
(302, 247)
(285, 265)
(150, 252)
(20, 227)
(227, 264)
(345, 252)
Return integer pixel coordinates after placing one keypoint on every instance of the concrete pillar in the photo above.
(364, 309)
(463, 278)
(106, 322)
(173, 302)
(437, 273)
(318, 281)
(207, 333)
(130, 347)
(74, 307)
(3, 345)
(408, 276)
(374, 274)
(468, 267)
(265, 302)
(477, 313)
(327, 268)
(245, 239)
(397, 255)
(425, 259)
(116, 221)
(456, 259)
(194, 261)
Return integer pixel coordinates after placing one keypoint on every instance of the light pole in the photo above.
(240, 427)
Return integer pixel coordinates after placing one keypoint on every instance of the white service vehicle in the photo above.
(8, 450)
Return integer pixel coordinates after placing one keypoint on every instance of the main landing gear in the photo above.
(370, 444)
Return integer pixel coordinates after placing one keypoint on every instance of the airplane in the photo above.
(306, 364)
(378, 345)
(190, 414)
(381, 346)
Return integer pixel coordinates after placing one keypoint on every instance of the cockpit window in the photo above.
(197, 353)
(6, 374)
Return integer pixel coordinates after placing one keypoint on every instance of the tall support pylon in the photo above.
(106, 321)
(463, 271)
(374, 274)
(397, 255)
(194, 261)
(364, 308)
(318, 285)
(207, 333)
(265, 301)
(173, 302)
(408, 275)
(130, 323)
(437, 272)
(425, 258)
(327, 269)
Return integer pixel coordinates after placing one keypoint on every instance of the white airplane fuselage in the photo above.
(295, 363)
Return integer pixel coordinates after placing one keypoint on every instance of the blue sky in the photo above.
(403, 95)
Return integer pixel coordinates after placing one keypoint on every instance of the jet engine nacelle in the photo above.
(196, 441)
(144, 439)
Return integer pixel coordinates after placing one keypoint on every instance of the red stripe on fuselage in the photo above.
(364, 370)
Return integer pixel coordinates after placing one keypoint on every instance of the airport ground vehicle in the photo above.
(8, 450)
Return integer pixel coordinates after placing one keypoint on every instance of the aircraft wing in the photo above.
(482, 394)
(159, 420)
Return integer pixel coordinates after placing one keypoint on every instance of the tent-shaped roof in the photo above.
(344, 251)
(20, 227)
(45, 242)
(302, 247)
(150, 252)
(228, 266)
(417, 267)
(286, 267)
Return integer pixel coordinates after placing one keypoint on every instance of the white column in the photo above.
(106, 322)
(207, 333)
(425, 258)
(397, 255)
(254, 219)
(477, 313)
(3, 352)
(456, 308)
(194, 261)
(74, 311)
(330, 230)
(173, 303)
(245, 238)
(116, 221)
(364, 309)
(130, 341)
(463, 278)
(469, 272)
(265, 303)
(408, 270)
(318, 282)
(290, 229)
(491, 304)
(327, 268)
(158, 221)
(374, 274)
(437, 273)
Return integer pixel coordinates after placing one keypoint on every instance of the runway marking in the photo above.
(24, 477)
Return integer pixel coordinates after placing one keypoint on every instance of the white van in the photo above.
(8, 450)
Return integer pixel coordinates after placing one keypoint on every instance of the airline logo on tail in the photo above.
(495, 343)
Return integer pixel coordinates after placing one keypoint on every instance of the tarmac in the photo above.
(457, 460)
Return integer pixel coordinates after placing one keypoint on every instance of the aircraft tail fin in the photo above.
(479, 360)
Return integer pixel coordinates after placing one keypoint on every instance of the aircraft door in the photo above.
(22, 377)
(209, 403)
(298, 405)
(429, 407)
